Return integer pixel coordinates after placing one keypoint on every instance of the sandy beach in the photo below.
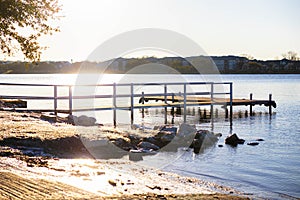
(43, 160)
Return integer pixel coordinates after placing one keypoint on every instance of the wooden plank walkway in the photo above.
(207, 101)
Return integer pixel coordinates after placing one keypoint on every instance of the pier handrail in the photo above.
(114, 94)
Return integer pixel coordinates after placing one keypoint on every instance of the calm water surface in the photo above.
(271, 169)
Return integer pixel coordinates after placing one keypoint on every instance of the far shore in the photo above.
(69, 171)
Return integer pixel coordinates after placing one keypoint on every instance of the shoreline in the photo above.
(114, 177)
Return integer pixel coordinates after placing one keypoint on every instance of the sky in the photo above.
(264, 29)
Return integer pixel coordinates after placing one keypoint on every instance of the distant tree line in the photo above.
(225, 65)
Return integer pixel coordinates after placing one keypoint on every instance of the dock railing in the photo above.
(166, 94)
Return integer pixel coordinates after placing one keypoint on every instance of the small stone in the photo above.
(220, 145)
(260, 140)
(253, 143)
(113, 183)
(100, 173)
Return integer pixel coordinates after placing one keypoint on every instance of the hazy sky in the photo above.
(262, 28)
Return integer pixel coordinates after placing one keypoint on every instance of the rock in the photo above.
(148, 146)
(252, 143)
(260, 140)
(13, 103)
(220, 145)
(135, 155)
(170, 129)
(112, 182)
(168, 137)
(186, 130)
(84, 120)
(234, 140)
(123, 144)
(197, 143)
(48, 118)
(72, 119)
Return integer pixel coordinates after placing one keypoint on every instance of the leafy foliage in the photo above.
(22, 22)
(291, 55)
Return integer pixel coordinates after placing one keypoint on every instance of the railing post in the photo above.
(132, 103)
(231, 111)
(114, 105)
(184, 102)
(270, 104)
(165, 98)
(70, 100)
(251, 96)
(143, 101)
(212, 101)
(55, 99)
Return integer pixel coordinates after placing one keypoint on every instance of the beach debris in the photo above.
(234, 140)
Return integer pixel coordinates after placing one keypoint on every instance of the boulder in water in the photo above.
(234, 140)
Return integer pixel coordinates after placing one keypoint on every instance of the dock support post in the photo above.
(114, 105)
(55, 99)
(212, 103)
(173, 110)
(143, 101)
(166, 109)
(184, 103)
(251, 112)
(226, 112)
(231, 111)
(131, 103)
(270, 105)
(70, 100)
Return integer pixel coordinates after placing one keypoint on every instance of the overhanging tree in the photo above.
(22, 22)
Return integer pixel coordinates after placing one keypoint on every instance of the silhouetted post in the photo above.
(251, 96)
(184, 103)
(212, 102)
(226, 112)
(70, 100)
(143, 101)
(55, 99)
(114, 105)
(132, 103)
(270, 104)
(172, 112)
(166, 109)
(231, 109)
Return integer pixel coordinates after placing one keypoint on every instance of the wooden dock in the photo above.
(183, 99)
(208, 101)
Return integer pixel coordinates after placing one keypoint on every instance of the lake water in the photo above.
(270, 170)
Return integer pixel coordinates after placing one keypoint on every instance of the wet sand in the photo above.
(42, 160)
